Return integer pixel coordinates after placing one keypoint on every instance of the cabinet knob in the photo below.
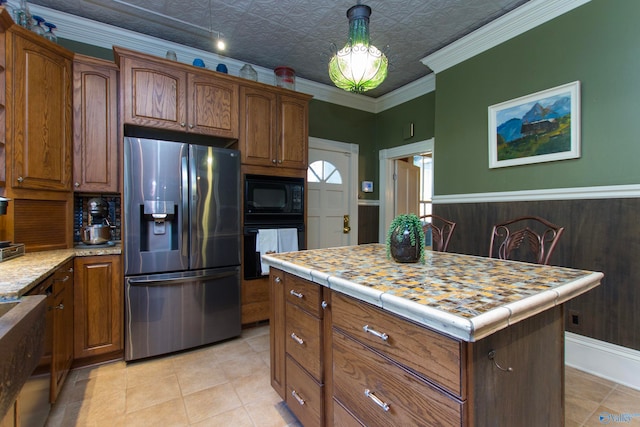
(20, 179)
(273, 161)
(57, 307)
(77, 184)
(277, 280)
(191, 126)
(279, 161)
(183, 124)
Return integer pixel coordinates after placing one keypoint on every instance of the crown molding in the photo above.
(508, 26)
(531, 14)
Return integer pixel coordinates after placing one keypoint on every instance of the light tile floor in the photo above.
(227, 384)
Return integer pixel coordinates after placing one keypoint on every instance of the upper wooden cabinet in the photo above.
(37, 152)
(273, 128)
(159, 93)
(95, 125)
(39, 111)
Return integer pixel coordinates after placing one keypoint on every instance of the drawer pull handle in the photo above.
(297, 338)
(296, 294)
(297, 397)
(377, 401)
(381, 335)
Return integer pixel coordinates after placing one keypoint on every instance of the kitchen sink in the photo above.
(22, 326)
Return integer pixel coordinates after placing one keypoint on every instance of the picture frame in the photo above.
(540, 127)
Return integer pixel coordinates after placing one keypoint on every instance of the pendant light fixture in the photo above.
(359, 66)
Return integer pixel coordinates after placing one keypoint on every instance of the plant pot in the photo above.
(401, 248)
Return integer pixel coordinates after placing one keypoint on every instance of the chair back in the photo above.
(441, 231)
(527, 238)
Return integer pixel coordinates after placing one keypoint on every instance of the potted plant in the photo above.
(405, 239)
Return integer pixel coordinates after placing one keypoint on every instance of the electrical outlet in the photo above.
(575, 318)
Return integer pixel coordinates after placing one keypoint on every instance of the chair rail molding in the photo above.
(625, 191)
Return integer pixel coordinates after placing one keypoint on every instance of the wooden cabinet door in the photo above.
(62, 352)
(277, 331)
(213, 106)
(153, 96)
(292, 132)
(98, 306)
(95, 125)
(258, 127)
(40, 124)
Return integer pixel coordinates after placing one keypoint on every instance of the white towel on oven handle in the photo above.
(287, 239)
(266, 243)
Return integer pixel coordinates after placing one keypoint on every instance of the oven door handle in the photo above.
(173, 281)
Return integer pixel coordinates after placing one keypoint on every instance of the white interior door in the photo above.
(407, 188)
(331, 194)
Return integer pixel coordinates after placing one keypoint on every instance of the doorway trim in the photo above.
(387, 156)
(353, 151)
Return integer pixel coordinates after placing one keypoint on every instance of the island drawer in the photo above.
(428, 353)
(303, 334)
(304, 294)
(304, 395)
(381, 393)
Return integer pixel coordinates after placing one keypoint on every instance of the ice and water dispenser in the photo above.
(159, 228)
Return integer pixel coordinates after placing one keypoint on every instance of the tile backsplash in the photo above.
(81, 213)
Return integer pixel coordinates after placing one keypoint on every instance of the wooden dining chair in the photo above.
(527, 238)
(441, 231)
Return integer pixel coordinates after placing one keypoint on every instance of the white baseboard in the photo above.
(602, 359)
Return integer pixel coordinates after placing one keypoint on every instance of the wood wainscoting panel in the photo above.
(368, 223)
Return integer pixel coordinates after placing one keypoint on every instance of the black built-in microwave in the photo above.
(273, 200)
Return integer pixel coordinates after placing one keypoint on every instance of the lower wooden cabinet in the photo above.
(98, 317)
(297, 324)
(62, 307)
(58, 342)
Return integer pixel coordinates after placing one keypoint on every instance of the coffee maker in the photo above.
(98, 230)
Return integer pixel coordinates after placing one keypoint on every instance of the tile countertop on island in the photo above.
(21, 274)
(466, 297)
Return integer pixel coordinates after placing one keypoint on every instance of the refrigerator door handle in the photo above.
(184, 166)
(177, 280)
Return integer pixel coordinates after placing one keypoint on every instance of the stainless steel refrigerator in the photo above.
(181, 246)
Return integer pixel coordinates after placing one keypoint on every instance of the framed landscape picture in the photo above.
(541, 127)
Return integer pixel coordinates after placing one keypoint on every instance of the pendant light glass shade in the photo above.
(359, 66)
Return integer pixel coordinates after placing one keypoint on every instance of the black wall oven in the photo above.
(252, 266)
(270, 202)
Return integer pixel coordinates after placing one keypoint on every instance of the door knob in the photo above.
(345, 225)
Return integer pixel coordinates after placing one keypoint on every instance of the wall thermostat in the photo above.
(367, 186)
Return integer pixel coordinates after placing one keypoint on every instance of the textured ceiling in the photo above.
(297, 33)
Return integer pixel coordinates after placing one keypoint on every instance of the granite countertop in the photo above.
(21, 274)
(467, 297)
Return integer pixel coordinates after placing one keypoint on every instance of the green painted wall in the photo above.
(596, 44)
(86, 49)
(338, 123)
(373, 132)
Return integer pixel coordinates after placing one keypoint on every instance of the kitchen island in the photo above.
(459, 340)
